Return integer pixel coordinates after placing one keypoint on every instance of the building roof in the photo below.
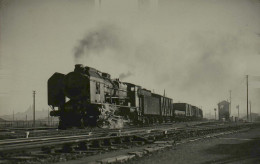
(223, 102)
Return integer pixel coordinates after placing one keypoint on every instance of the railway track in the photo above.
(23, 143)
(101, 141)
(38, 132)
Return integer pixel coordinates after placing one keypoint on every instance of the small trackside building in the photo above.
(223, 111)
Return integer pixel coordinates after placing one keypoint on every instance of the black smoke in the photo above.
(98, 40)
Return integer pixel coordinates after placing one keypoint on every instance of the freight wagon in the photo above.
(186, 112)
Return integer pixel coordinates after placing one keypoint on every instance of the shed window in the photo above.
(97, 88)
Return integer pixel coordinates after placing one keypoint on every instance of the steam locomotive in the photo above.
(88, 97)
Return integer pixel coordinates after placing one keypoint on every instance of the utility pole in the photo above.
(247, 97)
(164, 102)
(238, 111)
(34, 108)
(215, 113)
(13, 119)
(230, 103)
(26, 120)
(250, 111)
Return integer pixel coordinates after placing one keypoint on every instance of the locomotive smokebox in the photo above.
(76, 85)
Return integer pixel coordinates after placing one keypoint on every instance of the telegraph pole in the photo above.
(247, 97)
(230, 103)
(238, 111)
(26, 121)
(164, 101)
(34, 108)
(215, 113)
(13, 119)
(250, 111)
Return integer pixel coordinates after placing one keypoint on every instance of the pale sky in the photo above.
(196, 50)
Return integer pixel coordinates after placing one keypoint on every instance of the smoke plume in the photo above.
(98, 40)
(125, 75)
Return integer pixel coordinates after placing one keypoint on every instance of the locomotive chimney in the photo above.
(79, 68)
